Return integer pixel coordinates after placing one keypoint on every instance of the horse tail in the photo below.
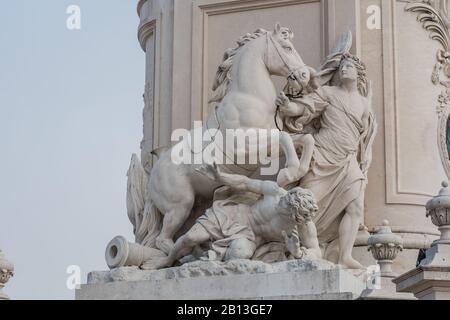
(150, 226)
(142, 212)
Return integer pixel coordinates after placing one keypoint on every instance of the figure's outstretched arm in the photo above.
(240, 182)
(288, 108)
(301, 106)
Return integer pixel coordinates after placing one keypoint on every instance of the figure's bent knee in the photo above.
(240, 249)
(189, 240)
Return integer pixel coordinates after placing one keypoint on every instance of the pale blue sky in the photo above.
(71, 116)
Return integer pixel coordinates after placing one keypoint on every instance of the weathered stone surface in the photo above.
(239, 279)
(207, 269)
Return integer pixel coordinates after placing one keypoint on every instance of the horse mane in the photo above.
(223, 76)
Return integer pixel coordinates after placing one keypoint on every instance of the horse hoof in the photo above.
(165, 245)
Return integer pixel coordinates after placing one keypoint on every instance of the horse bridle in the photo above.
(291, 75)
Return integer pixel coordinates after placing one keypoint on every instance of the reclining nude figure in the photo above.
(237, 230)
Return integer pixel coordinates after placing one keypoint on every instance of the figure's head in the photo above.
(283, 59)
(352, 68)
(300, 204)
(347, 71)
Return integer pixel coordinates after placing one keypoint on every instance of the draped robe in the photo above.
(336, 177)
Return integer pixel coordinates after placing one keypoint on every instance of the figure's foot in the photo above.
(350, 263)
(165, 245)
(288, 176)
(156, 263)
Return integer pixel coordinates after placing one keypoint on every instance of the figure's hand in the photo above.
(286, 107)
(293, 244)
(210, 171)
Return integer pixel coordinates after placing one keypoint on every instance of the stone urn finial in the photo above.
(385, 247)
(438, 209)
(6, 272)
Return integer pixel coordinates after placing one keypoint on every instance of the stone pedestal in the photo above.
(431, 280)
(426, 283)
(386, 291)
(235, 280)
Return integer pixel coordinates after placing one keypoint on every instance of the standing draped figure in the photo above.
(339, 116)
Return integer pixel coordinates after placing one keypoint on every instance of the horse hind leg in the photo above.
(174, 219)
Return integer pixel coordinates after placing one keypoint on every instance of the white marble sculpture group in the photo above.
(314, 207)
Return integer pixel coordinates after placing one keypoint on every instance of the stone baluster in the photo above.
(385, 246)
(438, 209)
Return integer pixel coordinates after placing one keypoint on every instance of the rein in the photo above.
(291, 71)
(291, 74)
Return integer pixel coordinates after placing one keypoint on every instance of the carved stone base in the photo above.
(426, 283)
(386, 292)
(240, 279)
(431, 280)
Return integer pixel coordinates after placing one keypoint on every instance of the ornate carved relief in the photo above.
(433, 15)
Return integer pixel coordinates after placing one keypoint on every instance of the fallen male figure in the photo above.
(236, 230)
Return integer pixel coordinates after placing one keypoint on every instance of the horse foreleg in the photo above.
(306, 143)
(289, 174)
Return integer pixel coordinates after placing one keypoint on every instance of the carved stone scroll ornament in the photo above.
(433, 15)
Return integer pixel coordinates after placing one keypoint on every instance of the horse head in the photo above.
(282, 59)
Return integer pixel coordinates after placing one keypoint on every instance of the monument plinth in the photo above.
(234, 280)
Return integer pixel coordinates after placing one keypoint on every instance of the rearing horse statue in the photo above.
(246, 97)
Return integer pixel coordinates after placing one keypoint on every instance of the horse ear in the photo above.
(277, 28)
